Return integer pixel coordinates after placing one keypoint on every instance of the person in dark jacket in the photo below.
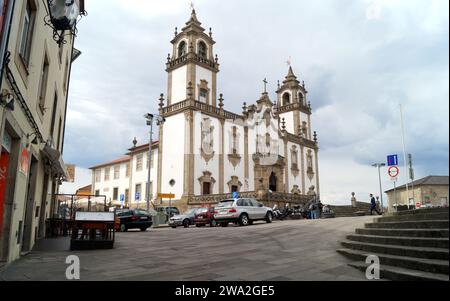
(320, 207)
(373, 205)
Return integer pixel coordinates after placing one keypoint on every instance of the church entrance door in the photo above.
(273, 182)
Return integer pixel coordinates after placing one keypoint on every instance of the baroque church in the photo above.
(206, 153)
(267, 151)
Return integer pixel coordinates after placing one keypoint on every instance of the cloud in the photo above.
(359, 61)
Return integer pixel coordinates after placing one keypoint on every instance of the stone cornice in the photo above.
(302, 141)
(202, 35)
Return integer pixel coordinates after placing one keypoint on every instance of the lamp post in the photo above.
(379, 165)
(150, 118)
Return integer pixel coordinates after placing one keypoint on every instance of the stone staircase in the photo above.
(349, 211)
(411, 245)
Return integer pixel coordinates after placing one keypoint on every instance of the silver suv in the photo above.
(241, 211)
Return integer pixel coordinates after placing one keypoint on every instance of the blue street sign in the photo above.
(235, 195)
(138, 195)
(392, 160)
(122, 198)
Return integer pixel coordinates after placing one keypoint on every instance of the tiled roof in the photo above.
(120, 160)
(142, 147)
(430, 180)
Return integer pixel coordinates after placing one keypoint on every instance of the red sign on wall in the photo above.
(4, 160)
(24, 161)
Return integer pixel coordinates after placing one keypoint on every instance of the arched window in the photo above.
(286, 99)
(202, 49)
(301, 98)
(181, 49)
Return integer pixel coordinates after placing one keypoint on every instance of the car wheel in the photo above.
(198, 225)
(269, 217)
(224, 224)
(123, 228)
(243, 220)
(143, 229)
(213, 223)
(174, 227)
(186, 223)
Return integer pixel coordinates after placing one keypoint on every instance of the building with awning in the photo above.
(55, 162)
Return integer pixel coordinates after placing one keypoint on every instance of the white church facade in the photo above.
(205, 153)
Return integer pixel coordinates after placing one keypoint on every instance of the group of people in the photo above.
(315, 209)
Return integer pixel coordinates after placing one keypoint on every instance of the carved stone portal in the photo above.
(207, 179)
(234, 182)
(207, 148)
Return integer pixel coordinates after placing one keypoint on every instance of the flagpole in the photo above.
(404, 153)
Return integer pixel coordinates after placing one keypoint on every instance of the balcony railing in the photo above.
(197, 105)
(293, 106)
(194, 58)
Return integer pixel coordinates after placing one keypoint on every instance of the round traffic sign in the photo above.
(393, 171)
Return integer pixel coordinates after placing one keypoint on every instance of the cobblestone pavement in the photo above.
(283, 250)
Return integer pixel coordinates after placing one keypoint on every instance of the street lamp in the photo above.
(150, 118)
(63, 16)
(379, 165)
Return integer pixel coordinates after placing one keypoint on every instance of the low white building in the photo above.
(125, 179)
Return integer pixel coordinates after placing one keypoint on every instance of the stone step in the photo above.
(419, 252)
(433, 242)
(402, 274)
(434, 224)
(422, 211)
(415, 217)
(404, 232)
(421, 264)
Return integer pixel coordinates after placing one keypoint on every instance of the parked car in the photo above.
(242, 212)
(205, 216)
(134, 219)
(169, 211)
(186, 219)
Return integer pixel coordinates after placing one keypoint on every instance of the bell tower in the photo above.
(192, 68)
(292, 106)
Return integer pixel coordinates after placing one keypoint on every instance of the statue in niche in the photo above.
(207, 143)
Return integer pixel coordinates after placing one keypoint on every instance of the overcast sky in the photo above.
(359, 59)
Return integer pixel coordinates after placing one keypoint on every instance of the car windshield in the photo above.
(226, 203)
(141, 212)
(202, 210)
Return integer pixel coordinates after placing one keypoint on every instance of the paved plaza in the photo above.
(283, 250)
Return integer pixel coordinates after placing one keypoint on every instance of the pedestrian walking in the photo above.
(373, 205)
(313, 209)
(319, 209)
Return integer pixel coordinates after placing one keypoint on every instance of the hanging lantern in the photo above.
(63, 16)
